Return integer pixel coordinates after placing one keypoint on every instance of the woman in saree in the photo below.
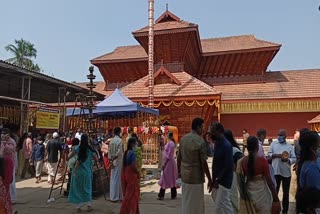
(6, 172)
(130, 180)
(255, 182)
(81, 179)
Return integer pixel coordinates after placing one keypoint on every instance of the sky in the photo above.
(69, 33)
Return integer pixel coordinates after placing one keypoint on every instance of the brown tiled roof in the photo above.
(171, 25)
(190, 86)
(124, 52)
(315, 120)
(278, 85)
(100, 87)
(232, 43)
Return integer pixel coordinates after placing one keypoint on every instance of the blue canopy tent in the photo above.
(115, 105)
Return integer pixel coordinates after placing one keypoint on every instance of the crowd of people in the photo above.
(254, 177)
(240, 179)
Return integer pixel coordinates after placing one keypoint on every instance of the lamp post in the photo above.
(90, 105)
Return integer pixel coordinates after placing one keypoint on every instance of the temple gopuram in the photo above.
(222, 79)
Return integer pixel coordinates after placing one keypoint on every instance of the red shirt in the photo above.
(261, 166)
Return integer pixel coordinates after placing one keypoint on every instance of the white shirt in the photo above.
(78, 135)
(280, 167)
(261, 150)
(116, 150)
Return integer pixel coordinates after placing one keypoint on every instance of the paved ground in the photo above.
(32, 199)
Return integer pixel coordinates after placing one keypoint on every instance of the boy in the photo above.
(38, 152)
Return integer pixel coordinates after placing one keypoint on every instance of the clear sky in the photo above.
(68, 33)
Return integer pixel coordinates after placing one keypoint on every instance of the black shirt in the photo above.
(222, 165)
(53, 147)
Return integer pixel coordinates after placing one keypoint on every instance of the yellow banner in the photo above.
(47, 118)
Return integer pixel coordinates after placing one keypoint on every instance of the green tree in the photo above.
(23, 52)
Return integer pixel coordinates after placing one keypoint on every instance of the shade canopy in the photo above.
(117, 105)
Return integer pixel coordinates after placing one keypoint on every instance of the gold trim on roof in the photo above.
(271, 107)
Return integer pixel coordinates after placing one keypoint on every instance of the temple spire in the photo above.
(167, 7)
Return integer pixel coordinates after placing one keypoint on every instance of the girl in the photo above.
(169, 169)
(130, 180)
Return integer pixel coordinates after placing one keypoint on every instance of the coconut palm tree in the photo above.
(23, 52)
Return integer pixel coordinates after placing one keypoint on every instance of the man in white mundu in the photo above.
(115, 155)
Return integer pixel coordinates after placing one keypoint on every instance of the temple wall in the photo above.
(272, 122)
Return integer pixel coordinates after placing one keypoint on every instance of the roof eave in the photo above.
(275, 48)
(179, 98)
(166, 31)
(97, 62)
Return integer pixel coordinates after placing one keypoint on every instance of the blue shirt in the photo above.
(130, 158)
(310, 175)
(38, 152)
(222, 165)
(280, 167)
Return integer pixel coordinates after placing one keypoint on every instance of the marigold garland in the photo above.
(187, 103)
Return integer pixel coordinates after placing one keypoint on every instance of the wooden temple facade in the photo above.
(218, 79)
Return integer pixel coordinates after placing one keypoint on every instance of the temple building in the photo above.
(222, 79)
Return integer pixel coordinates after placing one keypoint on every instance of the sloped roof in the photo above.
(170, 25)
(214, 45)
(233, 43)
(278, 85)
(190, 86)
(315, 120)
(100, 87)
(167, 16)
(124, 52)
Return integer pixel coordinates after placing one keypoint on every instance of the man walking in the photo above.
(261, 135)
(115, 155)
(53, 148)
(192, 167)
(283, 156)
(27, 151)
(222, 171)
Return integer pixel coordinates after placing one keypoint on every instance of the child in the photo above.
(38, 152)
(270, 141)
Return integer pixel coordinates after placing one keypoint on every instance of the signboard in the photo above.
(47, 118)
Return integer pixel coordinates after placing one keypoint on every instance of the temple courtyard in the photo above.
(32, 198)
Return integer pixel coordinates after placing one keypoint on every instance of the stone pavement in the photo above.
(32, 199)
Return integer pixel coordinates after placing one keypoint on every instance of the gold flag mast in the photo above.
(151, 54)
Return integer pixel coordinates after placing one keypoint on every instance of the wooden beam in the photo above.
(241, 63)
(265, 61)
(253, 68)
(201, 67)
(219, 65)
(235, 64)
(247, 63)
(229, 64)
